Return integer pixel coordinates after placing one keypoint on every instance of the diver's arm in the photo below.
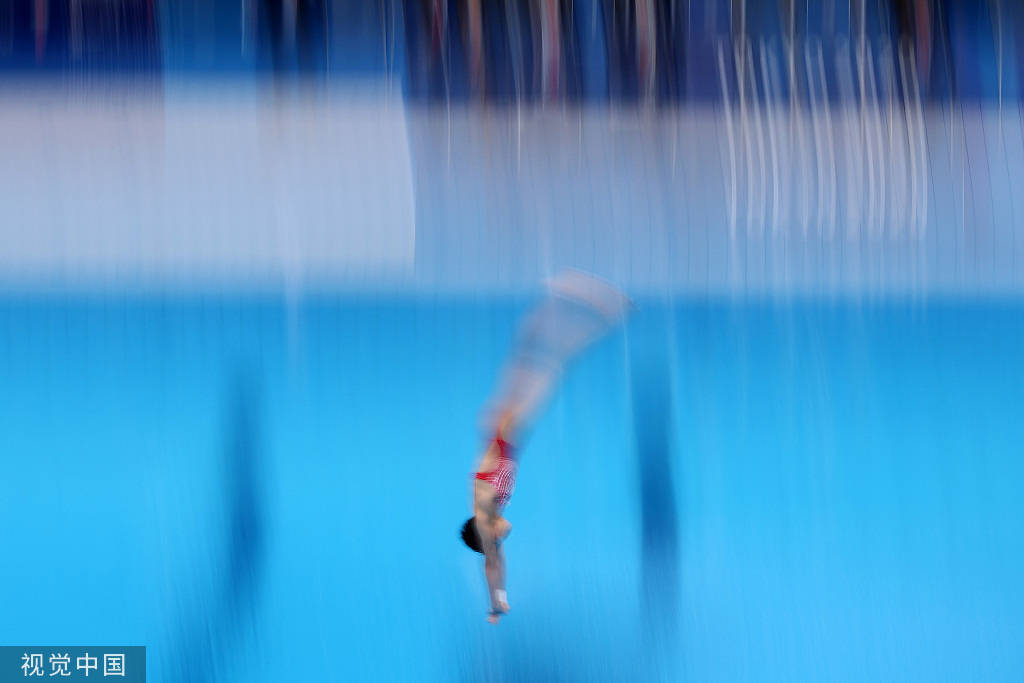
(494, 569)
(492, 530)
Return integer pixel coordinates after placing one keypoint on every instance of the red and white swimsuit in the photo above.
(503, 476)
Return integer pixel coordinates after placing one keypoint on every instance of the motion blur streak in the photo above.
(120, 190)
(651, 394)
(215, 631)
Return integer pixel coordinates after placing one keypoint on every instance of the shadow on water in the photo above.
(651, 395)
(211, 631)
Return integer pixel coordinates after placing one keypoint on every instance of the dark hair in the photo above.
(471, 537)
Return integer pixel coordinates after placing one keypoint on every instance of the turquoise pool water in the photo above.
(262, 492)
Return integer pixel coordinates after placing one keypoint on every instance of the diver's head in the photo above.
(498, 529)
(470, 536)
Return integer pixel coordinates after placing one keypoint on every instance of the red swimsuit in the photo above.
(503, 476)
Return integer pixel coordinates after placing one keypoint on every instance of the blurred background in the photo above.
(261, 262)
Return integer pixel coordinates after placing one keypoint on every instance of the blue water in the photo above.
(262, 492)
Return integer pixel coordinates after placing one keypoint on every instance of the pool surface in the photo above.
(266, 492)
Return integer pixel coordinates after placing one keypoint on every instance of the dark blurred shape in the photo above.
(651, 392)
(656, 52)
(424, 32)
(120, 36)
(244, 492)
(296, 33)
(624, 69)
(914, 24)
(646, 43)
(212, 633)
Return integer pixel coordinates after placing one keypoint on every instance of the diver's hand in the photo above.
(499, 607)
